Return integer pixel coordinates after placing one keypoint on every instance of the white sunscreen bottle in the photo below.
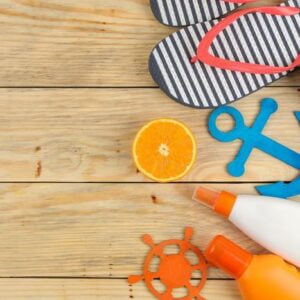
(274, 223)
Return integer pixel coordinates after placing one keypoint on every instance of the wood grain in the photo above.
(79, 230)
(85, 237)
(96, 289)
(81, 43)
(86, 134)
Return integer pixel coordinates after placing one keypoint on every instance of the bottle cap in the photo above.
(228, 256)
(222, 202)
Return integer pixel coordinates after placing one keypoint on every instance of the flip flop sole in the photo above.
(188, 12)
(254, 38)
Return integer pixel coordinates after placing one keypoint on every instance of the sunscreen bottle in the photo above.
(259, 277)
(274, 223)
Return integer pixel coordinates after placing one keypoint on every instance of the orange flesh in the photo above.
(164, 150)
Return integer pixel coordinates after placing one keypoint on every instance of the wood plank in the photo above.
(86, 134)
(81, 43)
(95, 289)
(93, 230)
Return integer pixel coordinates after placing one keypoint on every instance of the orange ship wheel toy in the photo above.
(175, 270)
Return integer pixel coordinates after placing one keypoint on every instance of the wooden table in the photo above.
(74, 90)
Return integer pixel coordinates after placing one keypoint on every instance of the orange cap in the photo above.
(221, 202)
(228, 256)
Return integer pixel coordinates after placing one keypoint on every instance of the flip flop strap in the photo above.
(204, 56)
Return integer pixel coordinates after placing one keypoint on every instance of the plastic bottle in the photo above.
(259, 277)
(272, 222)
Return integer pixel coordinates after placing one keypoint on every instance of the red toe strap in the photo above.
(204, 56)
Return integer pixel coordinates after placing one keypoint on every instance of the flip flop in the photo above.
(215, 63)
(188, 12)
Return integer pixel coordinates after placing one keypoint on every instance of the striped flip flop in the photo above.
(188, 12)
(215, 63)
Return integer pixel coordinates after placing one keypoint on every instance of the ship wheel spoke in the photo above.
(184, 248)
(189, 286)
(154, 275)
(161, 255)
(200, 266)
(196, 267)
(168, 293)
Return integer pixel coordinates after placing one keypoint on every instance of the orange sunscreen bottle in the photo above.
(260, 277)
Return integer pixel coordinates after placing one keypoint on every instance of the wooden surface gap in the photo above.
(297, 85)
(143, 182)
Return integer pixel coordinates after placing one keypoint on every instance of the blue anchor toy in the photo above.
(253, 137)
(281, 189)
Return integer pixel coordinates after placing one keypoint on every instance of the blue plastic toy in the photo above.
(281, 189)
(252, 137)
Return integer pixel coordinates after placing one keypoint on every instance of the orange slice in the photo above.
(164, 150)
